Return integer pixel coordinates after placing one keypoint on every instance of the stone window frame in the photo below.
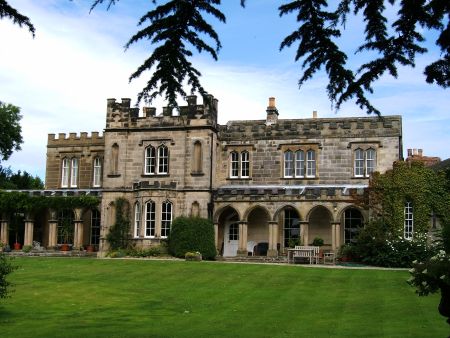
(67, 181)
(159, 160)
(240, 151)
(408, 221)
(150, 219)
(365, 147)
(297, 149)
(137, 220)
(166, 218)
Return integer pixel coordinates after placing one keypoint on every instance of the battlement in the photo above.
(312, 128)
(74, 139)
(121, 115)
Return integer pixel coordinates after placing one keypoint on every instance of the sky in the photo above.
(62, 78)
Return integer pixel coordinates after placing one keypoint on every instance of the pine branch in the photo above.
(175, 27)
(6, 11)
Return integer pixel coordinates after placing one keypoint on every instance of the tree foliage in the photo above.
(19, 180)
(6, 11)
(175, 27)
(10, 136)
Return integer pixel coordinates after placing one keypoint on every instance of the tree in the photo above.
(177, 26)
(6, 11)
(19, 180)
(10, 137)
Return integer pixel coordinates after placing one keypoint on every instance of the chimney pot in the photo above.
(415, 151)
(271, 102)
(420, 152)
(314, 114)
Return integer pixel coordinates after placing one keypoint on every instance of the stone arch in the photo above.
(319, 225)
(258, 233)
(280, 209)
(227, 219)
(219, 212)
(195, 209)
(252, 208)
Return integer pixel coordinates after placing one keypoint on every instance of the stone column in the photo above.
(335, 235)
(52, 229)
(29, 228)
(242, 248)
(4, 233)
(273, 239)
(216, 236)
(304, 227)
(78, 228)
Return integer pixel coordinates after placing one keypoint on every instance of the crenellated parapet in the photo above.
(360, 127)
(74, 139)
(121, 115)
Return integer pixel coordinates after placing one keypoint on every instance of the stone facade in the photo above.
(266, 184)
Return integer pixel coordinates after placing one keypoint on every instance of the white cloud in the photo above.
(62, 78)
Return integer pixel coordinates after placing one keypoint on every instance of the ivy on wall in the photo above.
(119, 236)
(15, 201)
(409, 182)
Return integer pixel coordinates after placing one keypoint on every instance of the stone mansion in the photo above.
(266, 184)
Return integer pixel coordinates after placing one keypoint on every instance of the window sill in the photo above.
(239, 179)
(360, 177)
(300, 178)
(155, 175)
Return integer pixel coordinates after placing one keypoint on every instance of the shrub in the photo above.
(6, 267)
(149, 252)
(27, 248)
(192, 234)
(317, 241)
(376, 246)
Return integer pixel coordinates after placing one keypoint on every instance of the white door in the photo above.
(231, 239)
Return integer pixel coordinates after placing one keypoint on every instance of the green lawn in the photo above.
(76, 297)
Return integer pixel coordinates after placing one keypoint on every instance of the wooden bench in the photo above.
(311, 253)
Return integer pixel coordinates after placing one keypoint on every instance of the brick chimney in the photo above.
(272, 112)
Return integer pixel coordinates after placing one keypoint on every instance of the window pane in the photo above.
(74, 173)
(150, 160)
(311, 163)
(137, 220)
(359, 163)
(163, 159)
(97, 172)
(409, 221)
(288, 164)
(233, 234)
(353, 221)
(299, 163)
(291, 228)
(95, 227)
(370, 161)
(150, 219)
(245, 164)
(234, 164)
(166, 218)
(65, 173)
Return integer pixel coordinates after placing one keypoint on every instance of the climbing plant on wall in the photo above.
(22, 202)
(119, 236)
(409, 182)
